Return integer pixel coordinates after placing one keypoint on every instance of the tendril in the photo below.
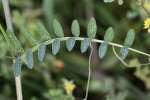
(89, 74)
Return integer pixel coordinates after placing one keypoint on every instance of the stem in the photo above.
(126, 64)
(9, 26)
(18, 87)
(7, 14)
(93, 40)
(89, 75)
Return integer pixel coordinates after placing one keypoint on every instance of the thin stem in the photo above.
(7, 14)
(94, 41)
(126, 64)
(9, 26)
(89, 74)
(18, 87)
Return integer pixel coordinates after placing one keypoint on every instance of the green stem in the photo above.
(126, 64)
(9, 26)
(89, 74)
(48, 42)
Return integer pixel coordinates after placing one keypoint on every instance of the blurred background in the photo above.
(111, 80)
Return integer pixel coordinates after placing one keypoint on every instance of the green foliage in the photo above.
(55, 46)
(102, 49)
(29, 58)
(17, 66)
(119, 96)
(58, 28)
(70, 43)
(92, 28)
(127, 43)
(12, 42)
(75, 28)
(143, 74)
(31, 32)
(41, 51)
(124, 52)
(109, 35)
(57, 94)
(129, 38)
(42, 30)
(85, 45)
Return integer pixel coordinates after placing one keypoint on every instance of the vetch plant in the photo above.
(21, 55)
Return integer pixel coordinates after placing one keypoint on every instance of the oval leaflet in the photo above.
(55, 46)
(70, 43)
(102, 49)
(75, 28)
(84, 45)
(92, 28)
(17, 66)
(29, 58)
(41, 52)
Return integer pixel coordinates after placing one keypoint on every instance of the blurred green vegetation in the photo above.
(111, 80)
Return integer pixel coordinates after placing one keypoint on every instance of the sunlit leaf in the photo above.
(17, 66)
(4, 34)
(124, 52)
(70, 43)
(102, 49)
(42, 30)
(29, 58)
(75, 28)
(134, 62)
(85, 45)
(109, 34)
(58, 28)
(129, 38)
(14, 43)
(41, 51)
(55, 46)
(92, 28)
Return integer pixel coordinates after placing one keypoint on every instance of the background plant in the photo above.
(72, 72)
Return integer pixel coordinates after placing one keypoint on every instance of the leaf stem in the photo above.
(18, 87)
(94, 41)
(126, 64)
(89, 73)
(9, 26)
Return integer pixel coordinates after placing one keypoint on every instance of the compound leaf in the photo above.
(29, 58)
(41, 51)
(70, 43)
(92, 28)
(55, 46)
(58, 28)
(75, 28)
(84, 45)
(109, 34)
(102, 49)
